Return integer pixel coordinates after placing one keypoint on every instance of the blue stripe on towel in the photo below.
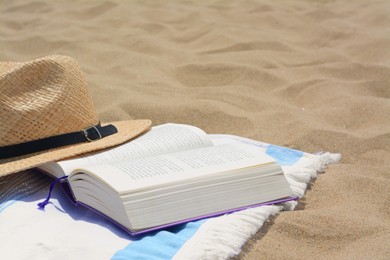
(163, 244)
(284, 156)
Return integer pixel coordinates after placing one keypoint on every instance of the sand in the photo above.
(310, 75)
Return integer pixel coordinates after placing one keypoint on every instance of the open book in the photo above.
(171, 174)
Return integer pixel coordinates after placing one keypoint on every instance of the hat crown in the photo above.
(42, 98)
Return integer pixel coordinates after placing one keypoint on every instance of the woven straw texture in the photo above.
(49, 93)
(48, 97)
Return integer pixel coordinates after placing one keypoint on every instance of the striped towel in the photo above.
(65, 231)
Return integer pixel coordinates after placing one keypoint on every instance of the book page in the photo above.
(161, 139)
(143, 172)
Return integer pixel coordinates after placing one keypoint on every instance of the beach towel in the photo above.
(64, 231)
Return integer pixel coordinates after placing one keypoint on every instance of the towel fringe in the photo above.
(223, 237)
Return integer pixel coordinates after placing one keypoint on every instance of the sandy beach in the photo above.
(309, 75)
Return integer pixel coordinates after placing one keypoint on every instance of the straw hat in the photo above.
(47, 114)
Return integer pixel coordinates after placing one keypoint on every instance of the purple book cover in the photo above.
(68, 191)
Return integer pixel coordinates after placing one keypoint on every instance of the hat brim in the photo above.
(127, 130)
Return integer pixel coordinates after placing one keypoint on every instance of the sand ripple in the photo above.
(312, 75)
